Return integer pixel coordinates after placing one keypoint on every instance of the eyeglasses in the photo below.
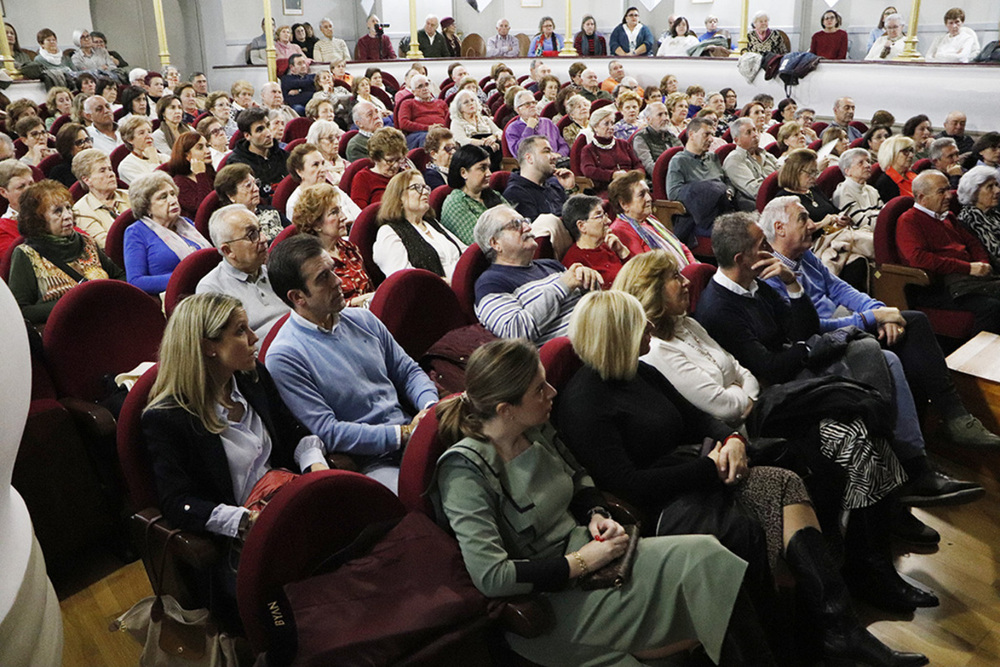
(517, 224)
(450, 148)
(216, 131)
(811, 172)
(599, 217)
(908, 151)
(250, 184)
(86, 141)
(252, 235)
(37, 134)
(419, 188)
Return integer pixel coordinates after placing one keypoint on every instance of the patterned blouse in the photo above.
(772, 43)
(350, 268)
(985, 225)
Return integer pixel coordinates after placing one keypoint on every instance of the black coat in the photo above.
(189, 462)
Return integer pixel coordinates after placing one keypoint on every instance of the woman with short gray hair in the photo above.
(853, 196)
(143, 158)
(159, 238)
(979, 195)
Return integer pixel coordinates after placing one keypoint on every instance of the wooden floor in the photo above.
(964, 572)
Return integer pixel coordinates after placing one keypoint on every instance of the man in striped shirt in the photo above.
(521, 297)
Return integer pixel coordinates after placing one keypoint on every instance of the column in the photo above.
(910, 52)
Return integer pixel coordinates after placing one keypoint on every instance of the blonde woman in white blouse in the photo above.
(704, 373)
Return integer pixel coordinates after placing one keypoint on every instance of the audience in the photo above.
(929, 237)
(959, 45)
(241, 274)
(594, 246)
(635, 225)
(521, 297)
(831, 42)
(680, 41)
(529, 123)
(696, 179)
(258, 149)
(890, 45)
(908, 334)
(578, 111)
(387, 149)
(172, 125)
(470, 126)
(748, 164)
(895, 157)
(546, 41)
(408, 235)
(655, 138)
(628, 104)
(329, 48)
(919, 129)
(321, 344)
(31, 131)
(762, 39)
(102, 127)
(854, 197)
(588, 42)
(320, 213)
(539, 187)
(591, 88)
(605, 157)
(503, 44)
(97, 210)
(298, 85)
(160, 238)
(471, 196)
(979, 195)
(143, 158)
(500, 431)
(418, 113)
(54, 257)
(15, 177)
(630, 37)
(375, 45)
(237, 184)
(190, 166)
(215, 138)
(954, 128)
(440, 145)
(843, 114)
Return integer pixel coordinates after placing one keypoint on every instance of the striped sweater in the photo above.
(525, 301)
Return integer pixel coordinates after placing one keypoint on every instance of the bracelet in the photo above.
(581, 561)
(598, 510)
(738, 436)
(405, 430)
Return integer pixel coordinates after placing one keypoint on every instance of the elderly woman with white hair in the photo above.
(578, 109)
(160, 238)
(896, 156)
(979, 195)
(890, 45)
(761, 39)
(605, 158)
(325, 135)
(854, 197)
(97, 210)
(470, 126)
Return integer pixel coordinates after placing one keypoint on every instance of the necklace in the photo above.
(692, 340)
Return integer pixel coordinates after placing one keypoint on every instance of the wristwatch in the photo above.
(244, 527)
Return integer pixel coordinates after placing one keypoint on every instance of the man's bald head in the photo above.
(932, 190)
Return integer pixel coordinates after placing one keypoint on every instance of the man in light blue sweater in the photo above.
(340, 371)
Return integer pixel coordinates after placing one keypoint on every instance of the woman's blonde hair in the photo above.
(644, 277)
(311, 207)
(628, 96)
(183, 379)
(891, 147)
(606, 330)
(795, 164)
(786, 132)
(391, 209)
(498, 372)
(673, 99)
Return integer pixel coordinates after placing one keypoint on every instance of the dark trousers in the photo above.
(924, 366)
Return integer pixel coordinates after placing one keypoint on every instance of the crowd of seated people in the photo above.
(699, 373)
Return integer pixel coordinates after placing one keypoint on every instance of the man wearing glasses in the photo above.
(242, 274)
(521, 297)
(103, 130)
(418, 113)
(529, 124)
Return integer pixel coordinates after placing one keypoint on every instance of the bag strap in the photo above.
(158, 583)
(59, 264)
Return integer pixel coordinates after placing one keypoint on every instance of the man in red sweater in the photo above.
(418, 113)
(929, 237)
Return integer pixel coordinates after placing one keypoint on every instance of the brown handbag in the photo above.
(618, 572)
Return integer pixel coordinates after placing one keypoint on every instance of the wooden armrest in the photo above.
(95, 420)
(891, 280)
(584, 183)
(664, 210)
(197, 550)
(524, 615)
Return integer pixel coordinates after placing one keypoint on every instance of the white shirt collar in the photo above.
(733, 286)
(312, 326)
(936, 216)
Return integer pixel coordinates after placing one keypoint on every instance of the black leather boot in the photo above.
(868, 568)
(745, 644)
(823, 592)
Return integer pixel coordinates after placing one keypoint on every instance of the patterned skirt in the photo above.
(871, 468)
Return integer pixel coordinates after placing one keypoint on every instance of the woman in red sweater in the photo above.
(594, 245)
(831, 41)
(605, 158)
(387, 149)
(191, 167)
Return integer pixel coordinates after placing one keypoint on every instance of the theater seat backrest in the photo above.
(417, 308)
(363, 233)
(699, 275)
(560, 361)
(886, 250)
(470, 266)
(186, 276)
(660, 168)
(768, 189)
(137, 469)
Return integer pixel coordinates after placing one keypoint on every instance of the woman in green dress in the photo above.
(529, 519)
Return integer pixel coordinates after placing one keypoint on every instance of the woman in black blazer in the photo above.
(215, 425)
